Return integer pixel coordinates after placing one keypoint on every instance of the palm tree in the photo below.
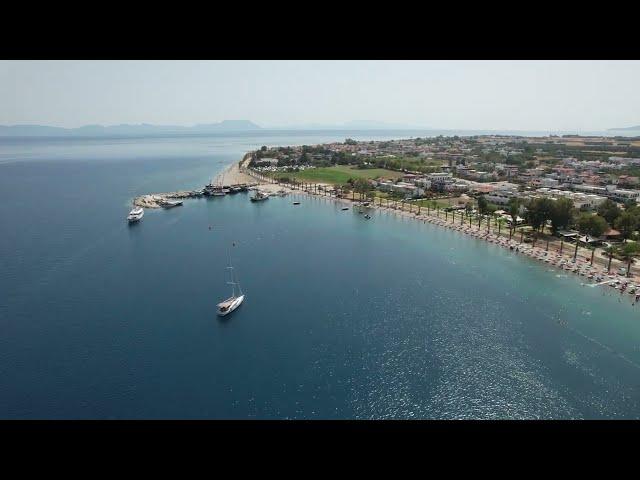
(434, 205)
(610, 250)
(500, 223)
(628, 252)
(514, 209)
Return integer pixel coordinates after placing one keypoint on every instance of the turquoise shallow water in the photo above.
(344, 318)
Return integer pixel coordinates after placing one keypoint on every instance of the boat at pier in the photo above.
(170, 203)
(135, 215)
(259, 196)
(234, 301)
(215, 189)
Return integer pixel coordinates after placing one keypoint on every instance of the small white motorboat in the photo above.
(135, 215)
(170, 203)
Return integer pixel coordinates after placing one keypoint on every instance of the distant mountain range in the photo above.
(353, 125)
(224, 126)
(146, 129)
(625, 129)
(125, 130)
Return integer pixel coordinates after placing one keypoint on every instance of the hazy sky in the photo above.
(522, 95)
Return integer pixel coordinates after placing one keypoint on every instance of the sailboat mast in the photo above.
(233, 280)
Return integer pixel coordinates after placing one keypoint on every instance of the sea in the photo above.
(344, 317)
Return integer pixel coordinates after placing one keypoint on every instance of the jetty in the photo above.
(156, 200)
(236, 176)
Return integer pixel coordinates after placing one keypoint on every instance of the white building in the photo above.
(501, 196)
(401, 187)
(610, 191)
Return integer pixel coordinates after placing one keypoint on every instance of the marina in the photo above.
(158, 200)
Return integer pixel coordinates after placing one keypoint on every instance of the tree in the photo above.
(592, 225)
(482, 204)
(539, 210)
(561, 214)
(628, 252)
(501, 221)
(362, 186)
(514, 209)
(609, 210)
(468, 208)
(610, 250)
(627, 223)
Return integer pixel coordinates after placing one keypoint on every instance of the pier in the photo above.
(154, 200)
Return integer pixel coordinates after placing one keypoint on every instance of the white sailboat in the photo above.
(234, 301)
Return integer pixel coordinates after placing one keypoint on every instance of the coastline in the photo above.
(595, 274)
(238, 173)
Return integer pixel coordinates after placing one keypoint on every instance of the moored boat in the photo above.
(170, 203)
(234, 301)
(259, 196)
(135, 215)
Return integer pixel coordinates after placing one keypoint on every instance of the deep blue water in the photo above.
(344, 318)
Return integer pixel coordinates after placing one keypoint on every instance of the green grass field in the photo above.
(339, 174)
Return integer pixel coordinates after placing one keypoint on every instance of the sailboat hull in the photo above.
(229, 305)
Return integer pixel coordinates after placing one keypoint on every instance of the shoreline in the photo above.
(594, 274)
(238, 174)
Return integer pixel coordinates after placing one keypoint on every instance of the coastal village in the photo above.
(569, 201)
